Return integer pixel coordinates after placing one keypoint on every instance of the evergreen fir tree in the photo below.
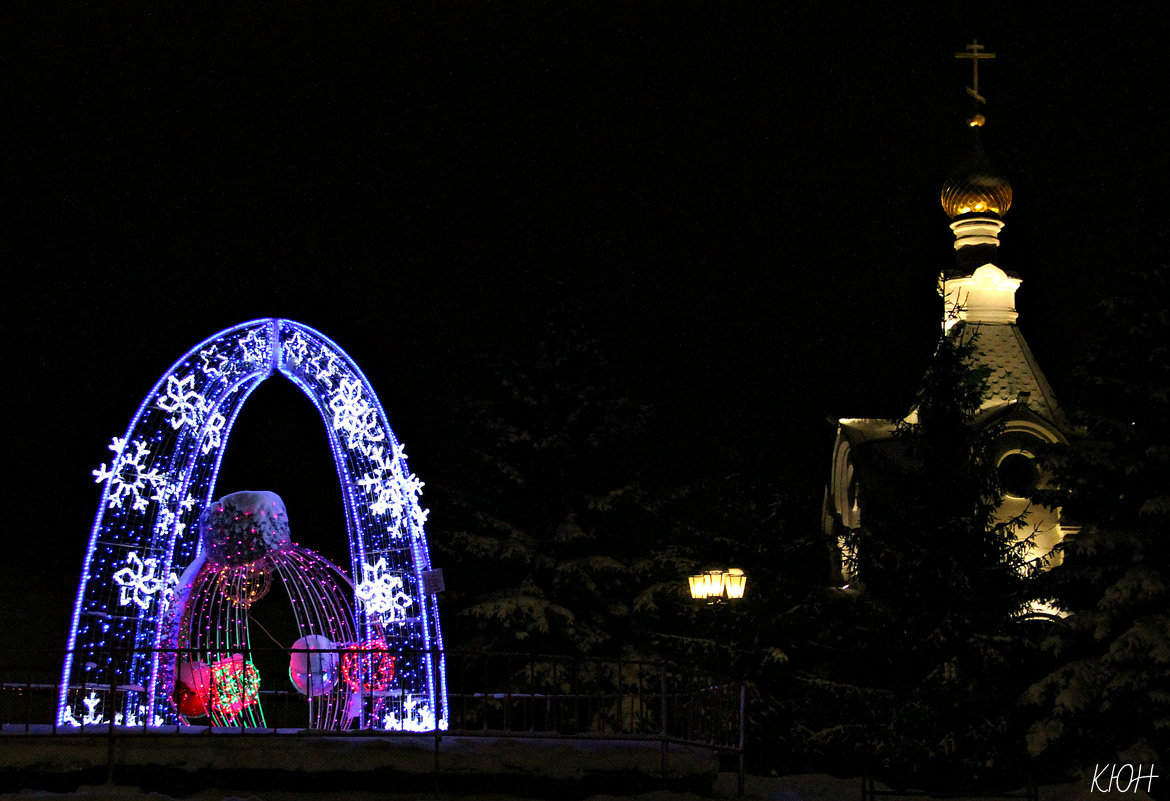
(545, 533)
(916, 678)
(718, 521)
(574, 529)
(1108, 697)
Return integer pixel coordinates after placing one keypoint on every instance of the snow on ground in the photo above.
(471, 763)
(805, 787)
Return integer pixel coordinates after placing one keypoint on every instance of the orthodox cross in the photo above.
(974, 52)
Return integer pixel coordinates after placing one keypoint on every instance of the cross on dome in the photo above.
(974, 52)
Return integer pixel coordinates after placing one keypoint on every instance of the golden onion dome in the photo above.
(976, 188)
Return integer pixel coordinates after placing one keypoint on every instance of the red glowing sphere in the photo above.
(188, 702)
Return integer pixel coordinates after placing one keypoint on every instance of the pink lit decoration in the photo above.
(245, 537)
(367, 667)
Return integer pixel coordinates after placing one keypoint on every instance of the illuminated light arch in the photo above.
(162, 473)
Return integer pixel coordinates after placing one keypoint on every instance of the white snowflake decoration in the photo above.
(128, 475)
(392, 488)
(213, 435)
(166, 496)
(213, 362)
(295, 348)
(254, 345)
(131, 719)
(416, 716)
(167, 522)
(354, 416)
(168, 593)
(182, 402)
(324, 371)
(91, 716)
(382, 592)
(137, 581)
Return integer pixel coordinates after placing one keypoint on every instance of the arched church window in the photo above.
(1018, 474)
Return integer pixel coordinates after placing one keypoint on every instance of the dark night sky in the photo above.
(741, 200)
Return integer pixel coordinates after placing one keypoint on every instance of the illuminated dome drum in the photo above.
(160, 631)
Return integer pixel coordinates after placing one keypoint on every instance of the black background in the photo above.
(741, 200)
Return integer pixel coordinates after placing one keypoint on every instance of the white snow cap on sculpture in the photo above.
(244, 526)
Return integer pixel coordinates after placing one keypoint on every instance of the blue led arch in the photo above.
(162, 473)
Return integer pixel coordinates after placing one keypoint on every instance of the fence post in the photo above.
(742, 738)
(438, 739)
(110, 746)
(663, 717)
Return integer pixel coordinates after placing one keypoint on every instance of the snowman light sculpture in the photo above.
(246, 549)
(120, 662)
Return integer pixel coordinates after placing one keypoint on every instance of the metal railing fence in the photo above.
(488, 694)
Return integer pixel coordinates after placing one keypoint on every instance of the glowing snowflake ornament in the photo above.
(295, 348)
(92, 716)
(213, 363)
(416, 716)
(213, 435)
(254, 346)
(392, 488)
(168, 520)
(166, 496)
(169, 589)
(383, 593)
(324, 368)
(354, 416)
(183, 403)
(133, 718)
(137, 581)
(128, 476)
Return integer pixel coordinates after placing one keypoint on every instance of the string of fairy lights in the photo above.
(160, 630)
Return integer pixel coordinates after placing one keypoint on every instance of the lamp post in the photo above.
(714, 585)
(717, 587)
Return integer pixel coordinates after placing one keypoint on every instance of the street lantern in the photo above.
(735, 582)
(713, 585)
(698, 586)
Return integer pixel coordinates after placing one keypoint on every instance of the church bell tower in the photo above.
(979, 302)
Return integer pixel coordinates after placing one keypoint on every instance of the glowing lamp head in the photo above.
(714, 585)
(244, 526)
(735, 582)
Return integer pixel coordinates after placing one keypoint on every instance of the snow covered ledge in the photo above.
(182, 764)
(986, 296)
